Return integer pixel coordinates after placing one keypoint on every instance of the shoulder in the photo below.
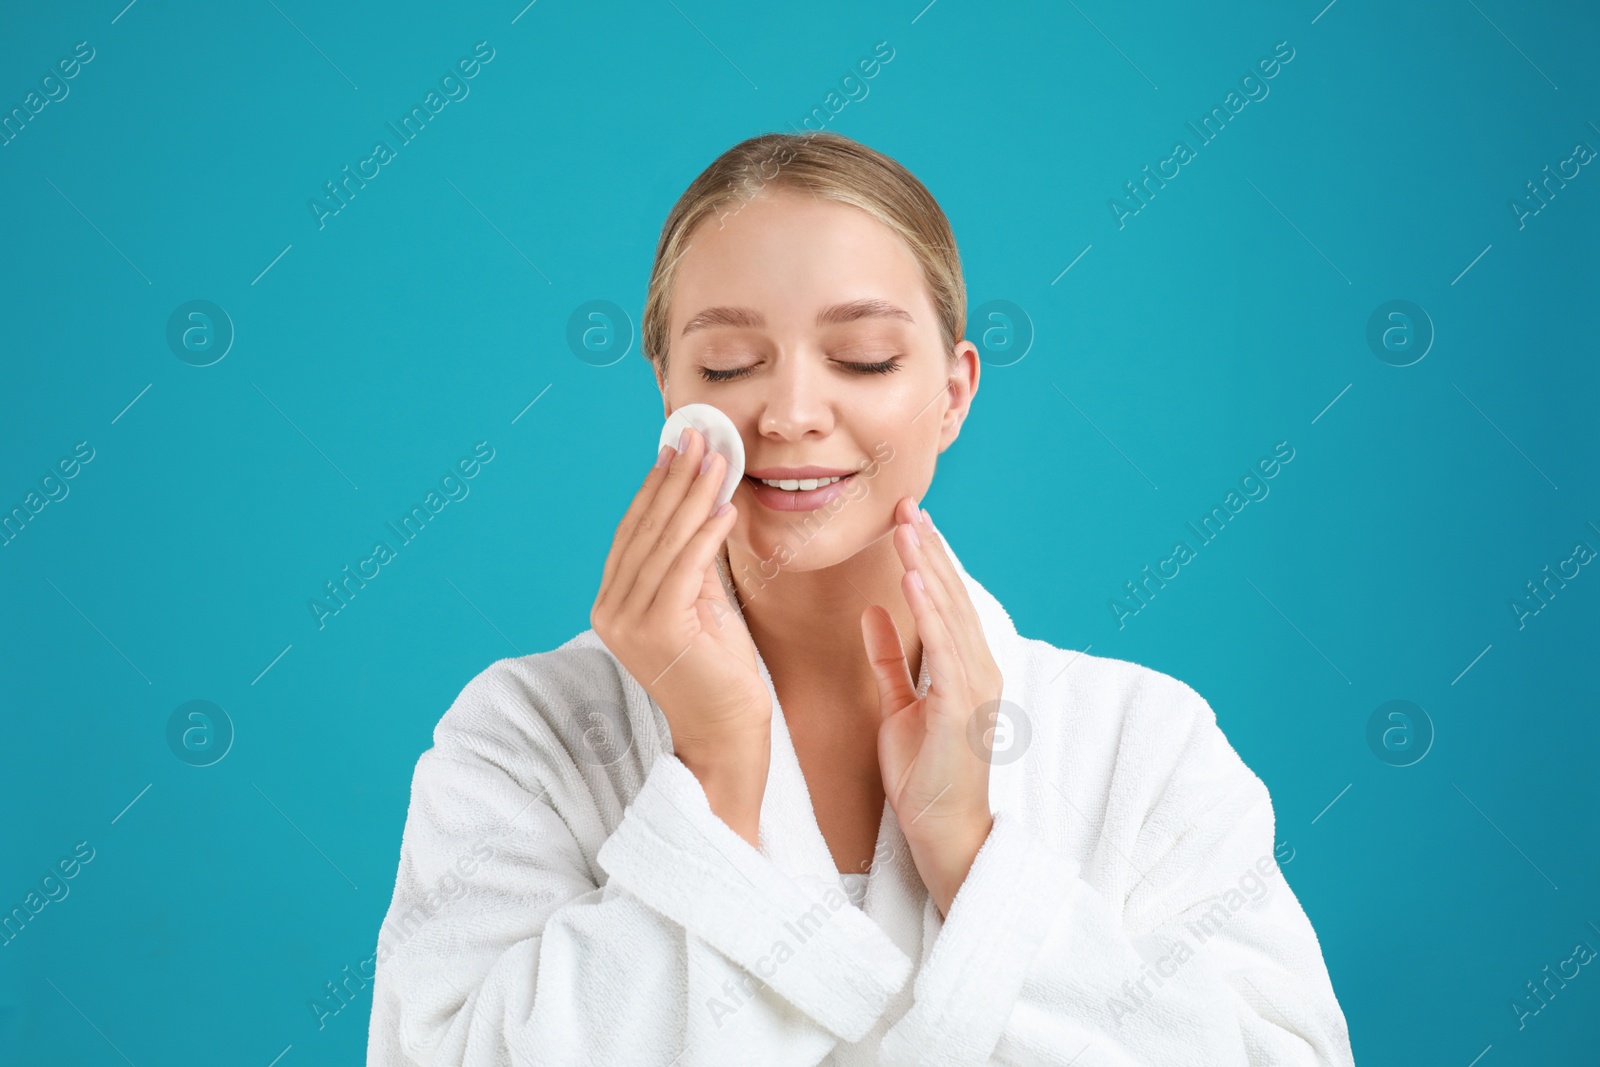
(571, 704)
(1140, 748)
(1115, 693)
(1135, 721)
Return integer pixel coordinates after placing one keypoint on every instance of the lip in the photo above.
(797, 500)
(811, 471)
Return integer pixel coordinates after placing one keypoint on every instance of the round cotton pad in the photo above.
(720, 433)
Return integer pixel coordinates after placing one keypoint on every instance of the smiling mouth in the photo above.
(799, 485)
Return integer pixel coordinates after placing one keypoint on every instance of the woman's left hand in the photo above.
(933, 752)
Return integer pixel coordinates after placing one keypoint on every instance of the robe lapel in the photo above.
(790, 835)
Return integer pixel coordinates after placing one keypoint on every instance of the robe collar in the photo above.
(790, 835)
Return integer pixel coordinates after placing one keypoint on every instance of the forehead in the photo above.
(793, 258)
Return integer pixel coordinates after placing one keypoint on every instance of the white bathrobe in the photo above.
(565, 894)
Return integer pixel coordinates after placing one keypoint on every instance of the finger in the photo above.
(946, 669)
(979, 662)
(652, 524)
(952, 597)
(939, 648)
(686, 574)
(636, 507)
(888, 659)
(692, 511)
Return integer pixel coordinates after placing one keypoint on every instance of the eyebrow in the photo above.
(833, 315)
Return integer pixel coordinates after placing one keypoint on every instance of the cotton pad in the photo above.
(720, 434)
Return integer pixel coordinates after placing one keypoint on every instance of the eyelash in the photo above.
(888, 366)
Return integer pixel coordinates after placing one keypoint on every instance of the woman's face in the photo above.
(809, 324)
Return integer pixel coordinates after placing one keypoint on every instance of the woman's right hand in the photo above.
(662, 611)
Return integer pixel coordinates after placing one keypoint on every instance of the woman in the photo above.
(724, 826)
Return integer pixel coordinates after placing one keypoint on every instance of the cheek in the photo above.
(901, 465)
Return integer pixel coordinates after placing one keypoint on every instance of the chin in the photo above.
(809, 542)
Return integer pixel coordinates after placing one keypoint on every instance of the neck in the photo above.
(807, 624)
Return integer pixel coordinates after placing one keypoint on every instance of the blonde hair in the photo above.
(828, 166)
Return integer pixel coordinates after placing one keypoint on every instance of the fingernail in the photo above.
(683, 440)
(916, 579)
(705, 461)
(914, 538)
(664, 457)
(925, 520)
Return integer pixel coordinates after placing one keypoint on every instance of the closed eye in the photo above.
(887, 366)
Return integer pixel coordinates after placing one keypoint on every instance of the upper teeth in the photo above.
(798, 483)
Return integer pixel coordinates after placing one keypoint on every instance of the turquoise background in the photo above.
(371, 354)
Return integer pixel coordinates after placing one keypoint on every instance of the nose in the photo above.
(798, 400)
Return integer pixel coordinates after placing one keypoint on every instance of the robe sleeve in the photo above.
(696, 950)
(1198, 954)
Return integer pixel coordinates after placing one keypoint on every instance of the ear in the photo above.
(961, 390)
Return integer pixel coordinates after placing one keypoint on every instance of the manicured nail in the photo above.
(665, 457)
(916, 579)
(914, 538)
(925, 520)
(705, 461)
(683, 440)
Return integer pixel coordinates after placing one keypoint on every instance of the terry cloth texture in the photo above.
(1126, 908)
